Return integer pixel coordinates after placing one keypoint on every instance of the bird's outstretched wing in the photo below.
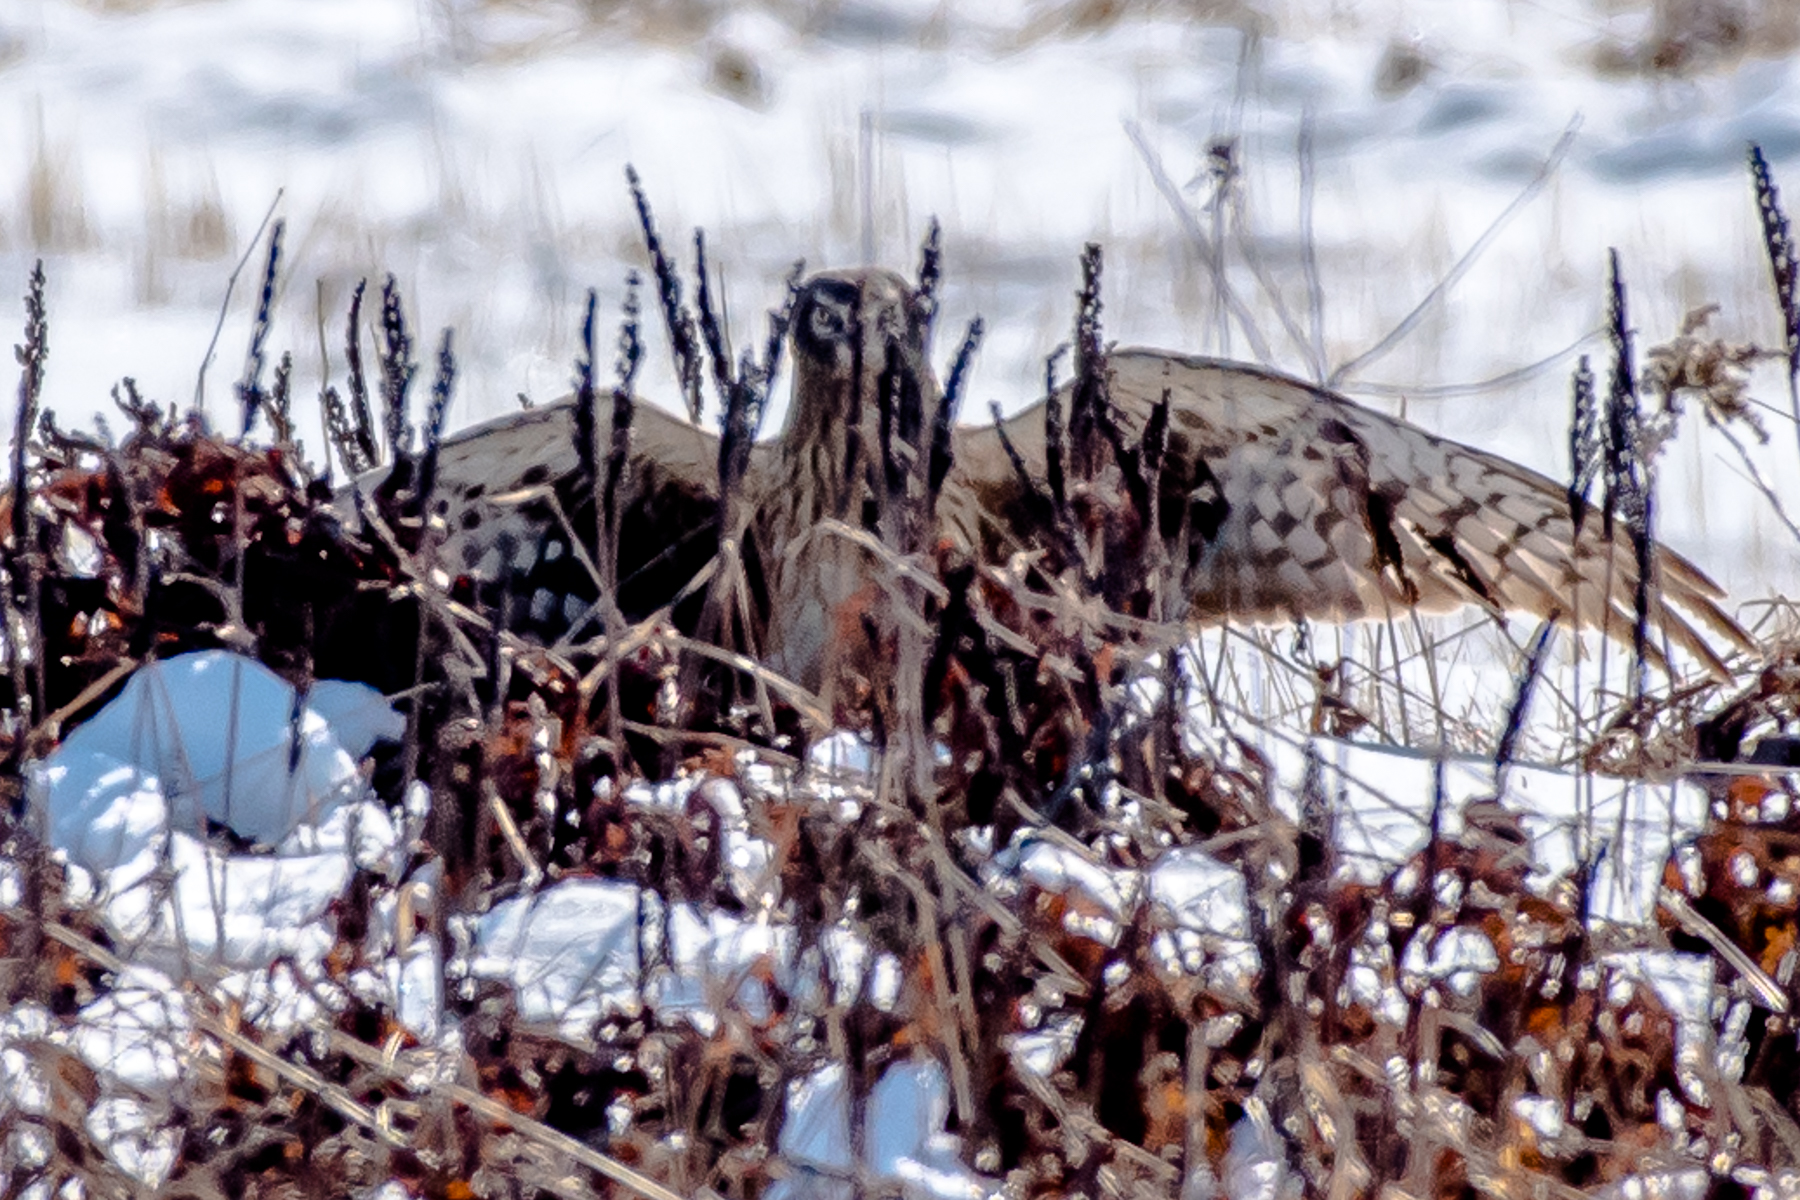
(1279, 500)
(511, 490)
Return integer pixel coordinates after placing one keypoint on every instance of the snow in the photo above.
(234, 911)
(905, 1143)
(134, 1040)
(1195, 891)
(816, 1133)
(477, 150)
(1255, 1166)
(137, 1136)
(210, 736)
(1043, 1051)
(1380, 799)
(24, 1082)
(414, 979)
(1457, 957)
(220, 738)
(570, 952)
(1065, 869)
(717, 966)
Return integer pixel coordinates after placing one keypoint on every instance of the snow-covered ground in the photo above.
(208, 742)
(477, 151)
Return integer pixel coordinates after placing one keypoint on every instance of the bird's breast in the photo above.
(814, 572)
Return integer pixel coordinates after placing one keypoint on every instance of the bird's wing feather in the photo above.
(538, 445)
(494, 481)
(1281, 500)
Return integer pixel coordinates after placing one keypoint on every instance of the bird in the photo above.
(1275, 500)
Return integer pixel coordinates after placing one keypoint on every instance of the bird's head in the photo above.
(848, 328)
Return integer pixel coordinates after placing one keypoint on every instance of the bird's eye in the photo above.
(827, 323)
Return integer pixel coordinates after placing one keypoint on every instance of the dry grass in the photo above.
(1371, 1075)
(52, 199)
(1689, 37)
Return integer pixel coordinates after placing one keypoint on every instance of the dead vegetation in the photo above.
(1068, 714)
(1691, 37)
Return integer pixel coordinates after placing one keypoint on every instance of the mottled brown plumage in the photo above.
(1278, 500)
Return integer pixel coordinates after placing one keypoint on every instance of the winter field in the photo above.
(249, 964)
(476, 151)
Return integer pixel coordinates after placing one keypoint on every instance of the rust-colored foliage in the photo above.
(1380, 1073)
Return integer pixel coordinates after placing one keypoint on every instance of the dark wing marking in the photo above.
(494, 488)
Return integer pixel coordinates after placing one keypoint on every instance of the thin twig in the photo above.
(225, 304)
(1309, 249)
(1495, 383)
(1408, 323)
(1210, 252)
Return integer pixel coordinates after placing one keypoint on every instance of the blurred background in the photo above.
(1347, 156)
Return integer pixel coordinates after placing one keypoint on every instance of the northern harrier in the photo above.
(1275, 499)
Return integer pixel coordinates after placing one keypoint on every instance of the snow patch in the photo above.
(570, 952)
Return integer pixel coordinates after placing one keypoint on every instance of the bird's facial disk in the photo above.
(838, 310)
